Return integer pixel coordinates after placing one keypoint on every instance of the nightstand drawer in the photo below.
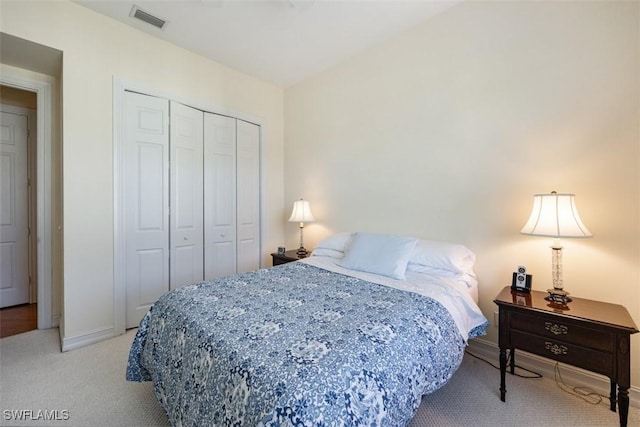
(278, 261)
(561, 331)
(562, 351)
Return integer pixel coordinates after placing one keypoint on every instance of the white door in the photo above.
(220, 195)
(14, 266)
(187, 228)
(146, 186)
(248, 195)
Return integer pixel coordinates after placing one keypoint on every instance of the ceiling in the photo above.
(280, 41)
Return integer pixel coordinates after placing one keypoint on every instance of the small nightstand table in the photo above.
(288, 256)
(588, 334)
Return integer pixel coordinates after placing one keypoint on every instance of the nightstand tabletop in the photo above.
(613, 315)
(288, 256)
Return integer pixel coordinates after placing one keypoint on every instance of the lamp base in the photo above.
(302, 252)
(558, 296)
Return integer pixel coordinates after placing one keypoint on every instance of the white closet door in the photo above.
(220, 195)
(248, 194)
(14, 267)
(187, 227)
(146, 186)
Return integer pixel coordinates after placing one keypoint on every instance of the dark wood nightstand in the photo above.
(289, 256)
(588, 334)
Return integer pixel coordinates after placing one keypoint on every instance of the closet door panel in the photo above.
(248, 196)
(220, 195)
(187, 226)
(146, 210)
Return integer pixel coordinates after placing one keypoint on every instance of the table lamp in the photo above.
(555, 215)
(301, 213)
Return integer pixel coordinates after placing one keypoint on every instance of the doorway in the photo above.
(37, 68)
(47, 146)
(18, 222)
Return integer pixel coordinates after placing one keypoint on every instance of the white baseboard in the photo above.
(86, 339)
(572, 376)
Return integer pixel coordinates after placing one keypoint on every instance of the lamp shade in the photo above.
(555, 215)
(301, 212)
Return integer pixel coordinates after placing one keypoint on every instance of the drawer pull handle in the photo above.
(556, 329)
(555, 348)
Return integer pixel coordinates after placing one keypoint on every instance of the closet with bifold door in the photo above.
(191, 184)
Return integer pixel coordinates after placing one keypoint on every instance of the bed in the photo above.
(344, 337)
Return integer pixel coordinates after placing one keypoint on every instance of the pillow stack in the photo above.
(333, 246)
(392, 256)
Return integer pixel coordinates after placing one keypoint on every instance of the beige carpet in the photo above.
(87, 388)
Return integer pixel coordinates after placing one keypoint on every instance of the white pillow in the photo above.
(380, 254)
(442, 255)
(337, 242)
(468, 278)
(327, 252)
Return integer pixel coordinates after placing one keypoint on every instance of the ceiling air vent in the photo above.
(140, 14)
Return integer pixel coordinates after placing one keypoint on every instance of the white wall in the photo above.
(448, 130)
(95, 50)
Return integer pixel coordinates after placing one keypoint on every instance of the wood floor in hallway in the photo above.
(18, 319)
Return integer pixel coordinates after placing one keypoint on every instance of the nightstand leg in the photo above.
(623, 405)
(612, 396)
(503, 371)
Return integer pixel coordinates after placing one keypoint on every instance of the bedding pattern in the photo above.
(294, 345)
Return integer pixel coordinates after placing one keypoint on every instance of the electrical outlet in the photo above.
(495, 319)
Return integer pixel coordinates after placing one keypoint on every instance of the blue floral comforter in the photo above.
(294, 345)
